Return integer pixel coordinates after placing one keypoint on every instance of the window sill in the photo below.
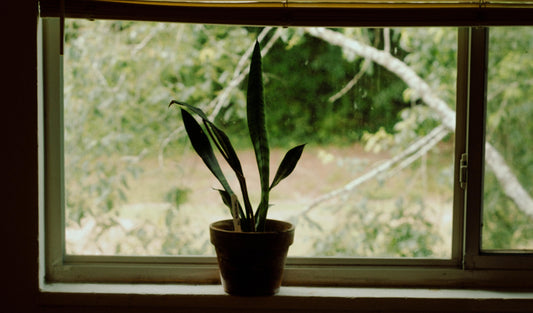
(207, 298)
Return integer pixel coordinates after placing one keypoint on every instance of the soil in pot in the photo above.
(251, 264)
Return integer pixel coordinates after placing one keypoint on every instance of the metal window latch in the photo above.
(463, 170)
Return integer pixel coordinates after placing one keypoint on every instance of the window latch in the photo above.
(463, 170)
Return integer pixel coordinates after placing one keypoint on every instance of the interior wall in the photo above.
(18, 122)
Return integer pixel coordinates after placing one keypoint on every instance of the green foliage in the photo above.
(374, 102)
(504, 225)
(509, 129)
(177, 196)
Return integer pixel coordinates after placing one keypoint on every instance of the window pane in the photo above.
(375, 179)
(508, 204)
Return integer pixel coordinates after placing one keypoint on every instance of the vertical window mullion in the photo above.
(463, 49)
(476, 120)
(53, 142)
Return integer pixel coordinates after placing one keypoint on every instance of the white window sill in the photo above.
(204, 298)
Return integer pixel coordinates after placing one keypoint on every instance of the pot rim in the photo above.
(213, 226)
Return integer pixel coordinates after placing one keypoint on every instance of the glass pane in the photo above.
(375, 179)
(508, 204)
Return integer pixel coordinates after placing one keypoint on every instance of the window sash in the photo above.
(299, 271)
(301, 12)
(474, 256)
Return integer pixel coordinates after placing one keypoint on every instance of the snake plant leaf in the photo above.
(288, 164)
(202, 146)
(225, 147)
(261, 216)
(255, 112)
(191, 108)
(227, 200)
(219, 137)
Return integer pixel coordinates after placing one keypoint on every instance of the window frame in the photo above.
(474, 256)
(468, 266)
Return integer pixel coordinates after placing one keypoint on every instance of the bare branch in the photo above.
(138, 47)
(432, 141)
(352, 82)
(423, 144)
(508, 181)
(386, 40)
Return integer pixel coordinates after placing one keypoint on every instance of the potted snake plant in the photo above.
(251, 249)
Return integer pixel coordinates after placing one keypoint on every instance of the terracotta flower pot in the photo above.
(251, 264)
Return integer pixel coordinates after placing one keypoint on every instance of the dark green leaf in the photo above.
(202, 146)
(255, 111)
(226, 198)
(225, 147)
(288, 164)
(219, 137)
(191, 108)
